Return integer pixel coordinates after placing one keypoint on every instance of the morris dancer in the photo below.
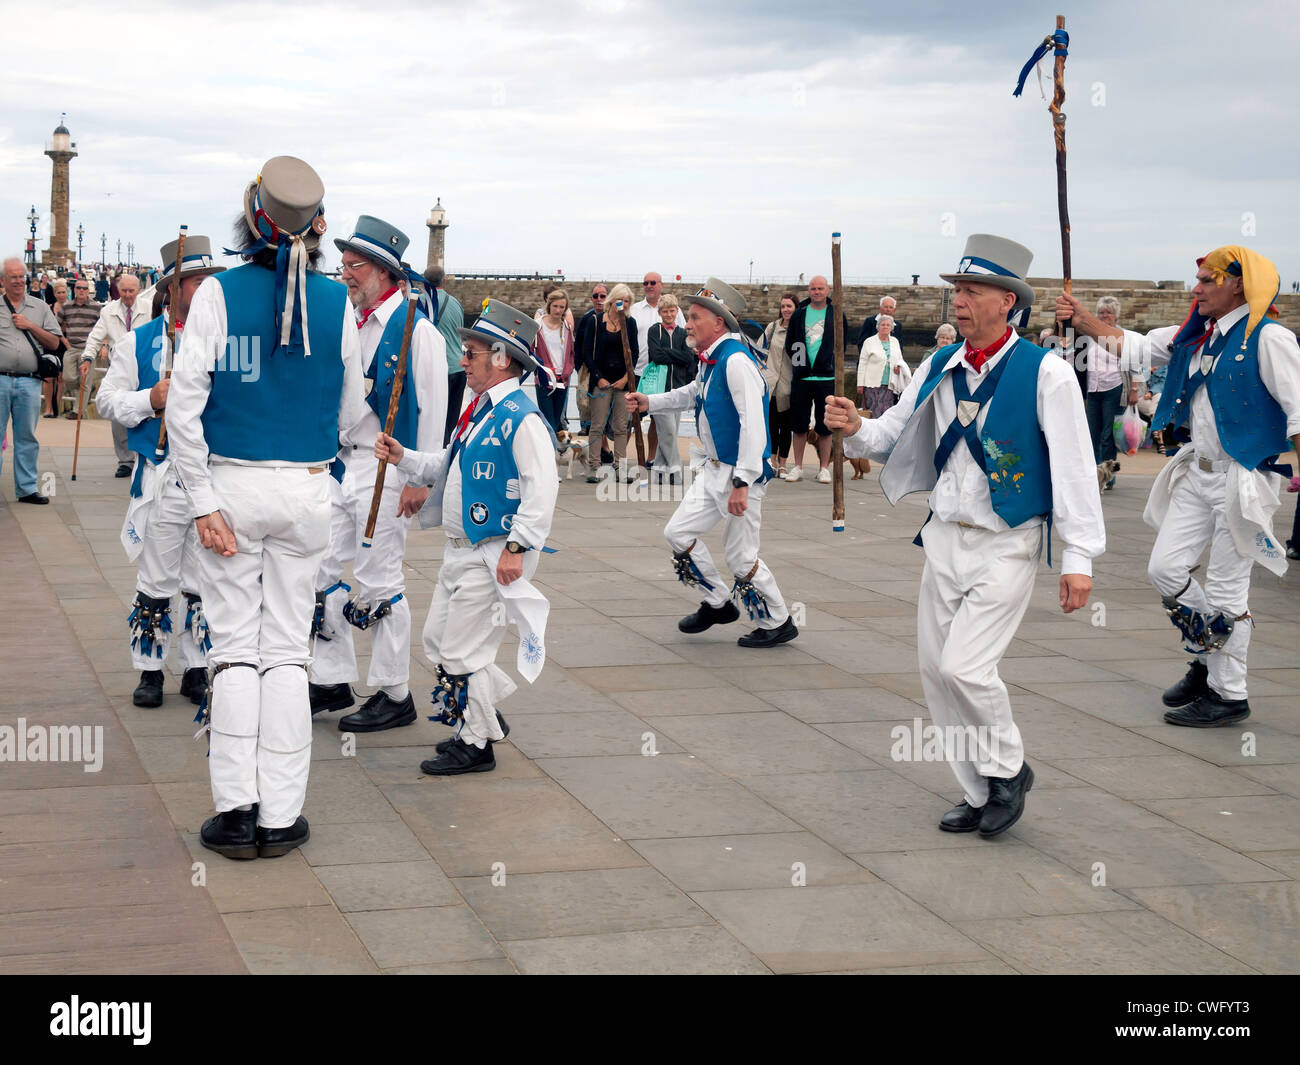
(995, 431)
(252, 442)
(730, 400)
(1223, 489)
(494, 492)
(158, 533)
(375, 276)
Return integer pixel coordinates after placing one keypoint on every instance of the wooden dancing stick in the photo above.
(631, 385)
(394, 400)
(1058, 129)
(174, 302)
(81, 406)
(837, 438)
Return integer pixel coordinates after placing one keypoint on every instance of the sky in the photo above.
(607, 139)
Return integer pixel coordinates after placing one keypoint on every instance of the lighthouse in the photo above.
(437, 224)
(62, 151)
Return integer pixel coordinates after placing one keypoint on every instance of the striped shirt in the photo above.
(77, 322)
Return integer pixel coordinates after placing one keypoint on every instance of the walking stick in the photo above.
(837, 438)
(81, 406)
(630, 369)
(1058, 43)
(394, 400)
(175, 302)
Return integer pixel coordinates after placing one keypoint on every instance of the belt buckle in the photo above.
(1205, 464)
(967, 525)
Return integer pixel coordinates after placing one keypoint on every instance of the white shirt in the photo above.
(426, 372)
(204, 342)
(120, 397)
(530, 444)
(745, 382)
(1279, 369)
(111, 326)
(1102, 366)
(961, 492)
(645, 316)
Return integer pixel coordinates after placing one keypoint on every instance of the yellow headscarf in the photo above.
(1259, 278)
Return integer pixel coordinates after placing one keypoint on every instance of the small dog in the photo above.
(1106, 475)
(574, 447)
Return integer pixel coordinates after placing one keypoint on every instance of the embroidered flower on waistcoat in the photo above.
(1003, 477)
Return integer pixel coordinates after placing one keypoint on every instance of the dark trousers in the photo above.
(1102, 408)
(455, 396)
(1295, 528)
(778, 426)
(551, 404)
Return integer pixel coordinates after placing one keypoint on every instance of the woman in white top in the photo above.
(553, 348)
(882, 373)
(778, 374)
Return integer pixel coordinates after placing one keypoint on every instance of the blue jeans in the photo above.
(20, 399)
(552, 405)
(1101, 409)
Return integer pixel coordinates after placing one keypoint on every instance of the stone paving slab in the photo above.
(770, 831)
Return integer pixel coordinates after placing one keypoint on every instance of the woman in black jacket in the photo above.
(667, 347)
(609, 381)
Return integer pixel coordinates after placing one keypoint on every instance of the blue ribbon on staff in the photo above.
(1058, 43)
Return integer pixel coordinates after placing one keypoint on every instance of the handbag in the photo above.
(1128, 430)
(48, 364)
(654, 379)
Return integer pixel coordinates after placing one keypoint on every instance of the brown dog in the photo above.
(860, 466)
(1106, 474)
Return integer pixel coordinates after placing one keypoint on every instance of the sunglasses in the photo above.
(599, 295)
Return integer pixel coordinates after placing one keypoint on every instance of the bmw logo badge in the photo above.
(478, 514)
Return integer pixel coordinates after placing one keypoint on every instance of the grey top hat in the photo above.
(992, 260)
(723, 300)
(286, 198)
(501, 324)
(379, 242)
(196, 263)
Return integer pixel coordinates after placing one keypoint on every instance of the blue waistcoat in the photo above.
(1016, 461)
(150, 339)
(720, 409)
(1251, 423)
(489, 476)
(287, 406)
(383, 369)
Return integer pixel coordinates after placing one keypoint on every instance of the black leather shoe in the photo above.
(34, 497)
(963, 818)
(329, 697)
(233, 833)
(194, 682)
(1006, 802)
(1211, 710)
(273, 842)
(124, 469)
(378, 713)
(445, 744)
(708, 616)
(1293, 553)
(149, 691)
(1191, 687)
(460, 757)
(783, 633)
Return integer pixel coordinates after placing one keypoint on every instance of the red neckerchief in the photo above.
(365, 315)
(463, 424)
(977, 357)
(708, 362)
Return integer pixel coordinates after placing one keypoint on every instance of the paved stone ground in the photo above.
(618, 861)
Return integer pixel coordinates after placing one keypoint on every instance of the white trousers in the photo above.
(975, 588)
(259, 605)
(1197, 516)
(376, 573)
(466, 623)
(704, 505)
(667, 457)
(168, 563)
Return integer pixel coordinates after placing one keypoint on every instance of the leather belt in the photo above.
(14, 373)
(463, 542)
(1212, 465)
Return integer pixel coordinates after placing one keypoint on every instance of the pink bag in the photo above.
(1128, 430)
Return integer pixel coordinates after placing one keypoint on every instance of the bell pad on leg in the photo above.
(688, 572)
(1203, 632)
(453, 693)
(150, 621)
(362, 617)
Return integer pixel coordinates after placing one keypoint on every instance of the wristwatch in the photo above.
(514, 548)
(736, 482)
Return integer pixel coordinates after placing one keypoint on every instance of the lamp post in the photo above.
(130, 253)
(103, 251)
(751, 271)
(32, 218)
(119, 251)
(81, 236)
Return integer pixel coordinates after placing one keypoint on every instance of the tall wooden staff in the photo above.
(837, 438)
(174, 302)
(630, 367)
(1058, 43)
(394, 400)
(81, 406)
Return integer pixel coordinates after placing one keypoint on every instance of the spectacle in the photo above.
(351, 268)
(599, 295)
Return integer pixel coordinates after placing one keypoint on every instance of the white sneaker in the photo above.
(824, 477)
(795, 474)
